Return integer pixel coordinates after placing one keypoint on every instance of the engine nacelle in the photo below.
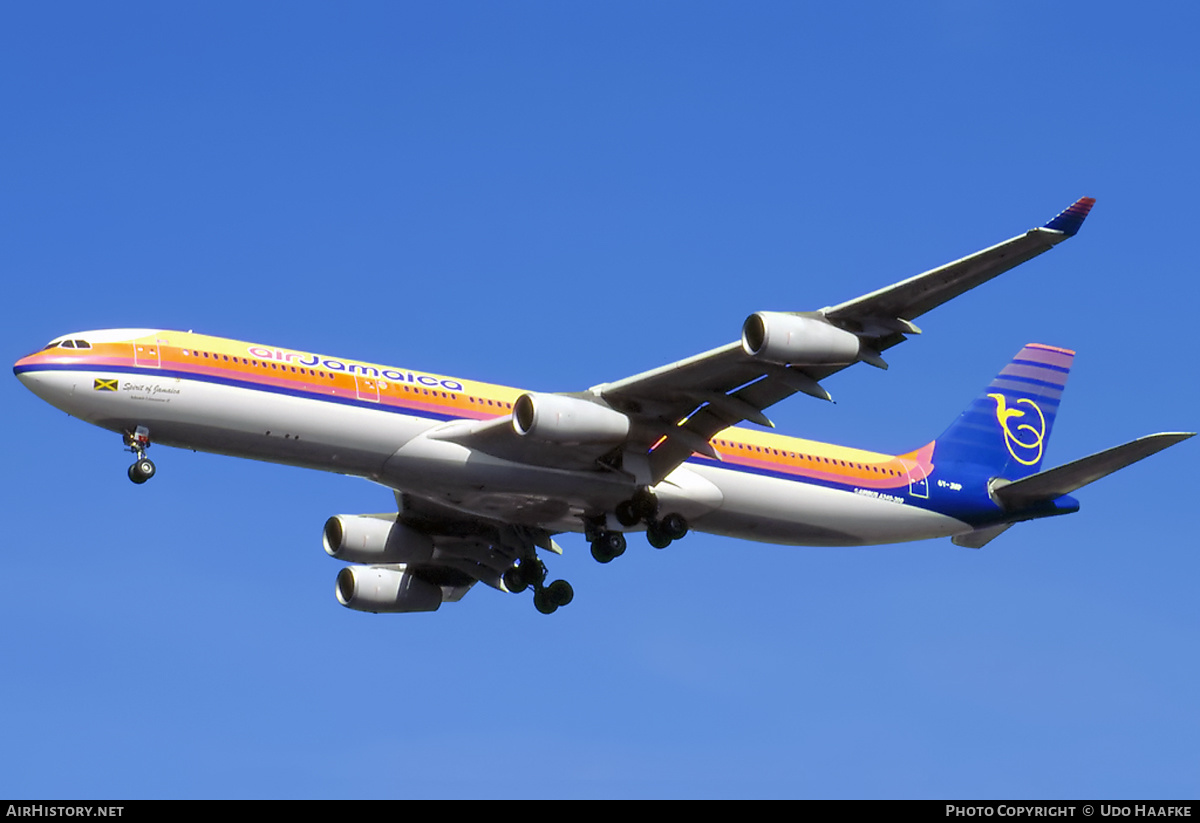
(791, 340)
(375, 538)
(385, 591)
(559, 419)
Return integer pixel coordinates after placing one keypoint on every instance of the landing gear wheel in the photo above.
(607, 546)
(644, 504)
(513, 581)
(543, 603)
(548, 600)
(560, 593)
(674, 526)
(533, 572)
(657, 538)
(626, 515)
(528, 572)
(142, 470)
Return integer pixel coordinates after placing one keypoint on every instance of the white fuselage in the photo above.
(391, 448)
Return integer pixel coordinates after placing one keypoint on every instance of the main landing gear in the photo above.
(641, 508)
(137, 441)
(532, 572)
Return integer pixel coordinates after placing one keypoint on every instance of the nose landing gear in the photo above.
(137, 441)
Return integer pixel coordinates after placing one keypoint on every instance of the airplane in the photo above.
(485, 476)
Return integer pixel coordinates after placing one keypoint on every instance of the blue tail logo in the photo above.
(1006, 429)
(1024, 444)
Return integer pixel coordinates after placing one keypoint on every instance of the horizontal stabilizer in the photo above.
(1056, 482)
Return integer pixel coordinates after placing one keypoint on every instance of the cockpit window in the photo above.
(67, 344)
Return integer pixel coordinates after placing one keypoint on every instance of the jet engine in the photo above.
(375, 538)
(793, 340)
(385, 590)
(559, 419)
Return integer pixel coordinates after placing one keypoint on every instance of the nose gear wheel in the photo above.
(137, 441)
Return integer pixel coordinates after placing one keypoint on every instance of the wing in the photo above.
(669, 413)
(681, 406)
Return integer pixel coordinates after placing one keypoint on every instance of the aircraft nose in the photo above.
(20, 369)
(31, 379)
(53, 387)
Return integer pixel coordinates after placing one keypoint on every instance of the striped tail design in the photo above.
(1006, 429)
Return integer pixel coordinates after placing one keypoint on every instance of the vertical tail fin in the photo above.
(1007, 427)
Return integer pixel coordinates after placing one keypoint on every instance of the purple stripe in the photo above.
(1048, 357)
(1053, 376)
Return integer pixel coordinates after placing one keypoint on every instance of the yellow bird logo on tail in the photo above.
(1026, 438)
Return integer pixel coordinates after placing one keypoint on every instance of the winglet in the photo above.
(1071, 218)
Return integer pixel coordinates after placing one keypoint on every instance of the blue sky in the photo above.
(554, 195)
